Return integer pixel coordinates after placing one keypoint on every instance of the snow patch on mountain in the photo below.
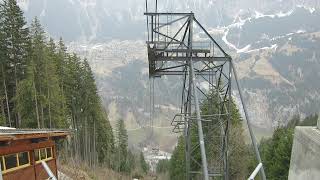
(242, 50)
(310, 9)
(289, 35)
(301, 31)
(272, 47)
(277, 15)
(239, 22)
(282, 14)
(245, 49)
(260, 15)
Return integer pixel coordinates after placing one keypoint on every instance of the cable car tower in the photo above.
(179, 45)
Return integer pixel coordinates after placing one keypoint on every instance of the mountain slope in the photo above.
(274, 43)
(101, 20)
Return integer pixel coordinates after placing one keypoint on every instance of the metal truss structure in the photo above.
(179, 45)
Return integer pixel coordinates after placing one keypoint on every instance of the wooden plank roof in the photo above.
(19, 134)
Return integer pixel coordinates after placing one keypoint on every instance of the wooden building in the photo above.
(21, 153)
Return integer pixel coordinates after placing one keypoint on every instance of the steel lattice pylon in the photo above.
(179, 45)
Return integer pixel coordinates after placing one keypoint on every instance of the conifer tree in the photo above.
(122, 146)
(143, 163)
(61, 62)
(93, 141)
(177, 161)
(47, 87)
(238, 152)
(276, 150)
(41, 83)
(163, 166)
(37, 62)
(56, 102)
(95, 111)
(27, 99)
(39, 99)
(16, 44)
(3, 66)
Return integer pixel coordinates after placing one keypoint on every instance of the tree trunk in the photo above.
(94, 145)
(76, 137)
(41, 108)
(89, 149)
(3, 112)
(49, 103)
(18, 117)
(50, 120)
(49, 106)
(6, 96)
(36, 101)
(63, 102)
(42, 115)
(86, 141)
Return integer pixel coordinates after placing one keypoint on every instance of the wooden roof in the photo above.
(20, 134)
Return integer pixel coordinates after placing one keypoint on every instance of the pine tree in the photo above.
(61, 64)
(276, 151)
(47, 87)
(27, 99)
(124, 155)
(163, 166)
(238, 152)
(93, 110)
(39, 97)
(56, 102)
(177, 161)
(33, 85)
(144, 165)
(104, 138)
(72, 94)
(93, 141)
(38, 56)
(3, 65)
(16, 43)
